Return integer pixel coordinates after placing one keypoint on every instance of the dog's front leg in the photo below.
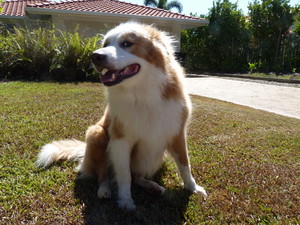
(120, 151)
(178, 150)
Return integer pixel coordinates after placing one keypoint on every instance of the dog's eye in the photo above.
(126, 44)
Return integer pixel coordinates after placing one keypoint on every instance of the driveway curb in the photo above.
(291, 81)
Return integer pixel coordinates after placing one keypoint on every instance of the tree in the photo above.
(266, 40)
(296, 11)
(269, 23)
(291, 45)
(228, 36)
(222, 45)
(164, 4)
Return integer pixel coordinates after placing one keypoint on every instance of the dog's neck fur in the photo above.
(136, 92)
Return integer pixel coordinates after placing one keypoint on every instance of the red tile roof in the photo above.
(16, 8)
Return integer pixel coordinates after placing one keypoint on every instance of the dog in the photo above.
(146, 117)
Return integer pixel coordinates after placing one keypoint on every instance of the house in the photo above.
(92, 16)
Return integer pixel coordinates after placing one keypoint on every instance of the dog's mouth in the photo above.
(113, 77)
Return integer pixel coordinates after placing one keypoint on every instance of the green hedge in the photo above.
(46, 54)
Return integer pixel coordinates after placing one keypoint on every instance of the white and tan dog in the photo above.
(147, 114)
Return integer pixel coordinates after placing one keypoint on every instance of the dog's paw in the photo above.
(200, 190)
(126, 204)
(104, 192)
(197, 189)
(157, 189)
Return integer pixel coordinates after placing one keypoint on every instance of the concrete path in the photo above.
(272, 98)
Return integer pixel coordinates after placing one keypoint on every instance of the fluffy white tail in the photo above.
(61, 150)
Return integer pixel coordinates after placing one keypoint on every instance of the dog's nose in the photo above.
(98, 58)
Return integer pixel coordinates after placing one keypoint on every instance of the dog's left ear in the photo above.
(167, 42)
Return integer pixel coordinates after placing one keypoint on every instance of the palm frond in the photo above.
(174, 4)
(162, 4)
(152, 3)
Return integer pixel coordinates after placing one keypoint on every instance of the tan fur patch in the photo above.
(173, 89)
(184, 116)
(95, 159)
(144, 48)
(179, 149)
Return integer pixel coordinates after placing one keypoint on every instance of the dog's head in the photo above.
(129, 50)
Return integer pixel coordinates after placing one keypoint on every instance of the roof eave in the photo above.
(188, 23)
(12, 17)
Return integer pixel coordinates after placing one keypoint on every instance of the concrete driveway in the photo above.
(281, 100)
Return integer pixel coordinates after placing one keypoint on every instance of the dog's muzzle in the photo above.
(110, 77)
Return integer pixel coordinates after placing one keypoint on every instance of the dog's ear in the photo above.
(168, 42)
(163, 39)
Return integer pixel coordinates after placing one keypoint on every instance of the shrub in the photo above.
(43, 54)
(256, 66)
(72, 61)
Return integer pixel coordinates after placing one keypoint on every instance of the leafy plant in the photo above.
(255, 67)
(73, 55)
(46, 54)
(37, 51)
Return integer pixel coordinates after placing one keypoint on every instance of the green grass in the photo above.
(248, 161)
(273, 75)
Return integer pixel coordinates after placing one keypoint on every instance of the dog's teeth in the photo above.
(113, 77)
(126, 70)
(104, 71)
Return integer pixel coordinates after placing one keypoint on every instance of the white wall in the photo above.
(90, 26)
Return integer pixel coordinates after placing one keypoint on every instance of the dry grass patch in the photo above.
(248, 160)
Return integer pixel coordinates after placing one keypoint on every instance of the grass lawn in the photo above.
(284, 76)
(248, 161)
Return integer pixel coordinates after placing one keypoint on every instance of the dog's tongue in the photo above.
(113, 77)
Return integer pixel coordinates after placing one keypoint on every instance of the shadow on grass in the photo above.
(151, 209)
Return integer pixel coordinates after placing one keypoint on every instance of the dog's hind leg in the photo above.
(149, 185)
(96, 160)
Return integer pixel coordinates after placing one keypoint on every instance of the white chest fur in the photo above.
(149, 122)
